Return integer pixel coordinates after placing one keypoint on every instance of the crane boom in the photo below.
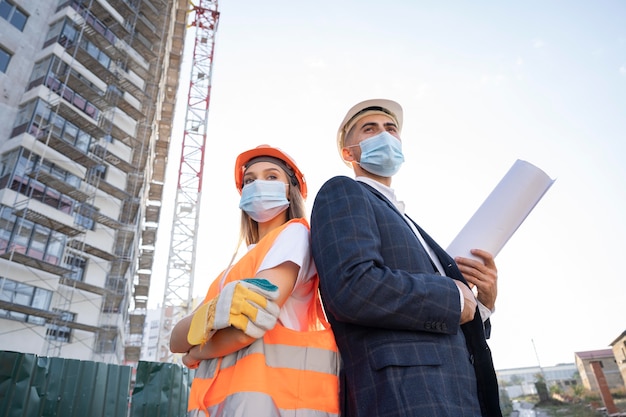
(178, 293)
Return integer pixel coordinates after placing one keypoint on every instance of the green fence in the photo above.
(34, 386)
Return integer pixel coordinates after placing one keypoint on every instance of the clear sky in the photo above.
(482, 84)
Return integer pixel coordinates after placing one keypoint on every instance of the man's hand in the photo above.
(469, 307)
(483, 275)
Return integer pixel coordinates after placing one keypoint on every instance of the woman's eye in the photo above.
(248, 181)
(272, 177)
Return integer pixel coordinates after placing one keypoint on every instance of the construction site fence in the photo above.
(38, 386)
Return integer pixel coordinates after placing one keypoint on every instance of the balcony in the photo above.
(119, 268)
(61, 186)
(91, 63)
(136, 323)
(50, 316)
(153, 213)
(54, 141)
(102, 153)
(125, 84)
(66, 111)
(108, 188)
(130, 208)
(125, 7)
(17, 256)
(42, 219)
(91, 250)
(103, 14)
(81, 285)
(147, 29)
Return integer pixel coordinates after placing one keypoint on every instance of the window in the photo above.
(20, 235)
(58, 332)
(39, 72)
(7, 223)
(38, 242)
(78, 265)
(5, 57)
(26, 295)
(106, 340)
(12, 14)
(97, 171)
(68, 35)
(84, 216)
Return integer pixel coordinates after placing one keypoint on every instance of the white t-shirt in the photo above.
(293, 244)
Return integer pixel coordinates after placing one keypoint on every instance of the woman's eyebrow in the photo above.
(265, 171)
(271, 170)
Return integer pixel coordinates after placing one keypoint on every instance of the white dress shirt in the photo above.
(390, 194)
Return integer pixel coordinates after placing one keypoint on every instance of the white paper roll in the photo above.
(503, 211)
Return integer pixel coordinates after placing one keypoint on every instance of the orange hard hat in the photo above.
(266, 150)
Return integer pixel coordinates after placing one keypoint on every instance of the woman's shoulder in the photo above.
(296, 227)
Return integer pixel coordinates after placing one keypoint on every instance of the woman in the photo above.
(276, 355)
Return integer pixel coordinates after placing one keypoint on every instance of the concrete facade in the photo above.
(86, 110)
(584, 361)
(619, 353)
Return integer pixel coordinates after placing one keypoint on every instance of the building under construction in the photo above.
(86, 110)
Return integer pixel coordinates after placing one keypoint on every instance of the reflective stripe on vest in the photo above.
(286, 373)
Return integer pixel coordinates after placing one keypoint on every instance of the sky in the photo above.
(482, 84)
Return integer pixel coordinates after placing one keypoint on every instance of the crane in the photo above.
(178, 293)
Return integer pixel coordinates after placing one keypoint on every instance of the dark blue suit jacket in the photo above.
(396, 320)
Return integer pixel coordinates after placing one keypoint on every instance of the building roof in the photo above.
(595, 354)
(620, 337)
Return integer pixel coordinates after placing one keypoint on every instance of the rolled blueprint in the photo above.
(504, 210)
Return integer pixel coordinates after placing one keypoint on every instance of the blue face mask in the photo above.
(263, 200)
(381, 154)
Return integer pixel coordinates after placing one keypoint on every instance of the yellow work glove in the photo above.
(247, 305)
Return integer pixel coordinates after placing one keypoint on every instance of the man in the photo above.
(407, 325)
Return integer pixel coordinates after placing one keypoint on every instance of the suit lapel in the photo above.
(451, 269)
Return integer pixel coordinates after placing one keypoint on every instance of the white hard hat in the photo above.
(374, 106)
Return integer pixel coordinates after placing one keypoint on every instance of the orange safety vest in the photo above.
(286, 373)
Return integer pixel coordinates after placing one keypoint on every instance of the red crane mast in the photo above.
(178, 293)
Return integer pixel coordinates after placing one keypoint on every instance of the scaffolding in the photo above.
(100, 140)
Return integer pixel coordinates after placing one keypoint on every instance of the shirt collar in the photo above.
(388, 192)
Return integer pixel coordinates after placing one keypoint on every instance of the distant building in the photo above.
(152, 328)
(521, 381)
(151, 332)
(608, 364)
(619, 353)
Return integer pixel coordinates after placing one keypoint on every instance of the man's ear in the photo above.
(347, 155)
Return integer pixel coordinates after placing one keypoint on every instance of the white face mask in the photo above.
(381, 154)
(264, 200)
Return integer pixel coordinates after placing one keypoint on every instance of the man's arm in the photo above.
(357, 285)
